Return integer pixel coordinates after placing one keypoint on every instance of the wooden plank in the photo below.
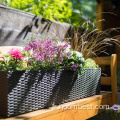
(114, 78)
(80, 114)
(105, 80)
(102, 60)
(52, 111)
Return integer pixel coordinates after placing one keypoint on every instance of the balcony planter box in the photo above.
(26, 91)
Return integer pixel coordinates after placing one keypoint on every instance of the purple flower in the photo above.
(68, 54)
(46, 51)
(37, 57)
(115, 108)
(74, 66)
(35, 43)
(109, 108)
(67, 68)
(27, 48)
(29, 59)
(30, 45)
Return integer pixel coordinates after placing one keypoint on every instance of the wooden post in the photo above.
(99, 18)
(114, 78)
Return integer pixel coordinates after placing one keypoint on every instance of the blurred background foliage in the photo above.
(82, 10)
(70, 11)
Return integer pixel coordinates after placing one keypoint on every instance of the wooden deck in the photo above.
(72, 112)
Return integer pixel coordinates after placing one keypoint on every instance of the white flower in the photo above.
(67, 50)
(78, 54)
(61, 43)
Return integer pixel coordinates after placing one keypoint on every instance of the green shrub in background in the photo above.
(2, 1)
(50, 9)
(84, 9)
(90, 63)
(70, 11)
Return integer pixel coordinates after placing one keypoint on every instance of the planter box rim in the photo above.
(48, 70)
(92, 68)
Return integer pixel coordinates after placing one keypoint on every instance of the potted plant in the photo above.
(54, 75)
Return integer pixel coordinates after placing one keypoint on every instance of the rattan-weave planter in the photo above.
(26, 91)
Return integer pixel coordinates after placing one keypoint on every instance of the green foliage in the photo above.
(84, 9)
(90, 63)
(50, 9)
(71, 11)
(12, 64)
(2, 1)
(75, 19)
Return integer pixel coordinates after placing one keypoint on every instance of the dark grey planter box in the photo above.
(26, 91)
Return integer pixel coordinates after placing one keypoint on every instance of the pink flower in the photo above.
(15, 53)
(74, 67)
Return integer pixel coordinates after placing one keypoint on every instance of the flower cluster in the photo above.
(12, 61)
(74, 61)
(15, 53)
(46, 53)
(42, 55)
